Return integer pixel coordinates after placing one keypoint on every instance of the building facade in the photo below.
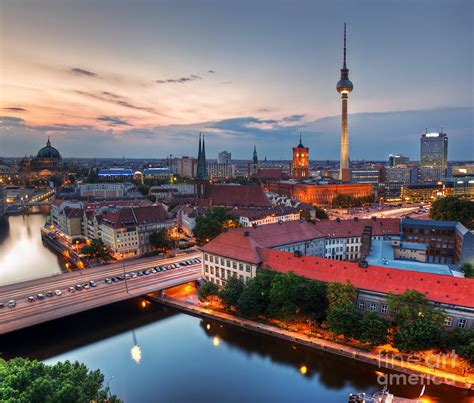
(300, 165)
(224, 157)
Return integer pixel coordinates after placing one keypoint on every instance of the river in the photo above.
(155, 354)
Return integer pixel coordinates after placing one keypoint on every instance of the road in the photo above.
(31, 313)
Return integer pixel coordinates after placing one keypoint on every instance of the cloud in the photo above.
(15, 109)
(81, 72)
(180, 80)
(293, 118)
(113, 121)
(227, 82)
(11, 121)
(111, 94)
(211, 71)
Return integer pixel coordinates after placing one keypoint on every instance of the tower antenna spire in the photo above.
(344, 66)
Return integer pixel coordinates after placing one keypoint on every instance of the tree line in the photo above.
(413, 324)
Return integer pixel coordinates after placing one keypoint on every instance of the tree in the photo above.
(343, 319)
(231, 292)
(462, 342)
(255, 298)
(408, 307)
(284, 295)
(341, 293)
(162, 239)
(468, 270)
(321, 214)
(419, 335)
(305, 215)
(373, 329)
(213, 222)
(23, 380)
(96, 250)
(207, 290)
(312, 299)
(453, 209)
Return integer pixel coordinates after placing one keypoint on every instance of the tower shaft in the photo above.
(344, 156)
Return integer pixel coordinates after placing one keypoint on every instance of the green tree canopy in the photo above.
(255, 298)
(408, 307)
(312, 299)
(341, 293)
(422, 334)
(343, 200)
(162, 239)
(462, 342)
(96, 250)
(468, 270)
(305, 215)
(373, 329)
(207, 290)
(231, 292)
(23, 380)
(343, 319)
(212, 223)
(321, 214)
(453, 209)
(284, 291)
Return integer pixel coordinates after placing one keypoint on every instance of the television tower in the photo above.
(344, 87)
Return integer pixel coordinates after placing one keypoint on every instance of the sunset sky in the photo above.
(141, 78)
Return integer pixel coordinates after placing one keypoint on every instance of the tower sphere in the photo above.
(344, 86)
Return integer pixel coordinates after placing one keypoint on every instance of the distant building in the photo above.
(220, 171)
(224, 157)
(3, 199)
(106, 190)
(300, 165)
(254, 166)
(365, 175)
(321, 193)
(249, 217)
(424, 192)
(433, 156)
(186, 167)
(116, 174)
(157, 174)
(396, 160)
(126, 231)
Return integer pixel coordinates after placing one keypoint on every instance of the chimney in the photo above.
(297, 253)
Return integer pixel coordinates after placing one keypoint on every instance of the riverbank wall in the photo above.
(432, 375)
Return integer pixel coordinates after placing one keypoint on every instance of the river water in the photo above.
(155, 354)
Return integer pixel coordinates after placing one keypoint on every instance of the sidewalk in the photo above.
(464, 382)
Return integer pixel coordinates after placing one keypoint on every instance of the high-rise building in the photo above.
(300, 161)
(395, 160)
(186, 167)
(220, 171)
(434, 150)
(344, 87)
(433, 156)
(224, 157)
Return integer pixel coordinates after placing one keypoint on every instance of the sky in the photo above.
(141, 78)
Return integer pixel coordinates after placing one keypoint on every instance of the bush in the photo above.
(343, 319)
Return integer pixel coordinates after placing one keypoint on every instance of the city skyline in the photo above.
(140, 93)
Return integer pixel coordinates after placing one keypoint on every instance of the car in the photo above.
(92, 283)
(108, 281)
(158, 269)
(78, 287)
(58, 292)
(126, 275)
(12, 303)
(31, 299)
(121, 278)
(153, 271)
(134, 275)
(71, 289)
(2, 305)
(85, 286)
(146, 272)
(140, 273)
(115, 279)
(40, 296)
(50, 294)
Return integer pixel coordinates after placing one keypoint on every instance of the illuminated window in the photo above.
(448, 321)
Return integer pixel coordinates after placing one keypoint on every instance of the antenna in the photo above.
(344, 45)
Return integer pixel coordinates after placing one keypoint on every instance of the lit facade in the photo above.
(300, 166)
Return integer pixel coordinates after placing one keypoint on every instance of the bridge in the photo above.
(26, 314)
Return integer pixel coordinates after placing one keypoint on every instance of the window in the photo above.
(227, 263)
(462, 323)
(234, 265)
(207, 269)
(222, 273)
(211, 258)
(384, 309)
(241, 278)
(222, 262)
(247, 268)
(241, 266)
(373, 306)
(206, 257)
(448, 321)
(212, 270)
(361, 305)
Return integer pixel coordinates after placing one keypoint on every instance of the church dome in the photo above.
(48, 152)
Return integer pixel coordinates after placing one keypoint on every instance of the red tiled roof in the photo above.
(234, 245)
(345, 228)
(73, 212)
(234, 196)
(271, 173)
(136, 215)
(272, 235)
(436, 287)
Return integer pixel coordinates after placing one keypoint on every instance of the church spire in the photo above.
(48, 143)
(255, 157)
(201, 170)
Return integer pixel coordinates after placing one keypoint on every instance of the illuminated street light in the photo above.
(216, 341)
